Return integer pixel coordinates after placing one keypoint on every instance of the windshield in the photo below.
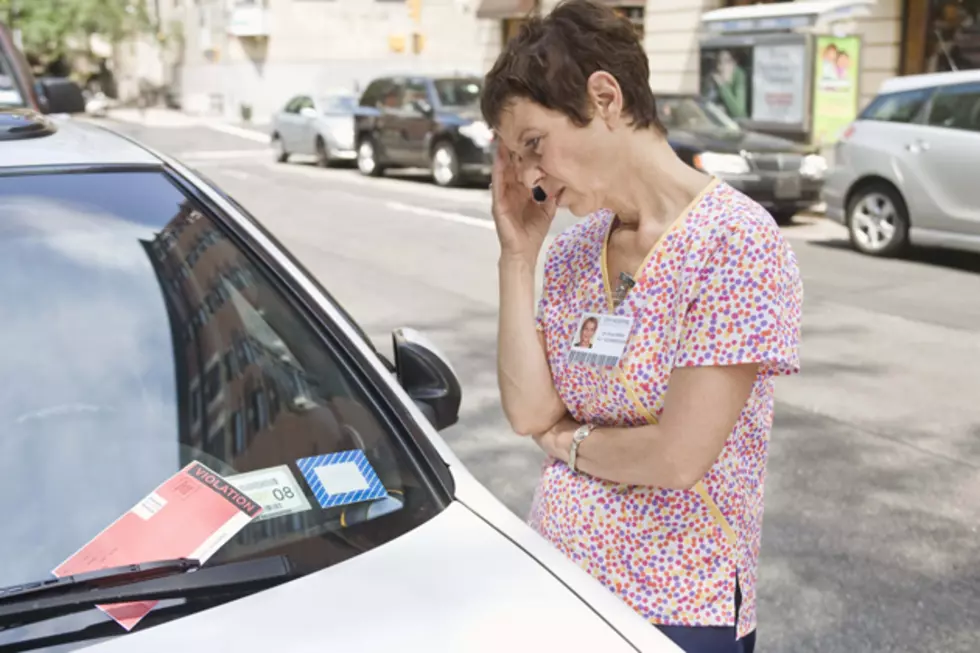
(694, 115)
(458, 92)
(10, 96)
(338, 103)
(141, 338)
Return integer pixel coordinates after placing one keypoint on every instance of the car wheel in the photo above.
(322, 155)
(445, 165)
(877, 221)
(367, 158)
(279, 148)
(784, 217)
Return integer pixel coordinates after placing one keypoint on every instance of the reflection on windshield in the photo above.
(694, 115)
(141, 338)
(458, 92)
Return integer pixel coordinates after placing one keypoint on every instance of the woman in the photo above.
(657, 454)
(589, 327)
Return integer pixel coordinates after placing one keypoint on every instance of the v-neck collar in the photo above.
(603, 257)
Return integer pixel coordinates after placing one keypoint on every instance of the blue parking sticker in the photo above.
(342, 478)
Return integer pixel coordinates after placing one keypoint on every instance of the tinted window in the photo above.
(140, 337)
(458, 92)
(897, 107)
(381, 93)
(956, 107)
(416, 90)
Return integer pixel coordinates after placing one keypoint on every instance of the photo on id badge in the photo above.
(600, 339)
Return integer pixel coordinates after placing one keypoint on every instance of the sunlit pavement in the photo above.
(871, 538)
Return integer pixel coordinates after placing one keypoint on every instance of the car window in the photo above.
(458, 92)
(10, 96)
(416, 90)
(293, 105)
(140, 338)
(694, 114)
(377, 92)
(956, 107)
(338, 103)
(903, 106)
(305, 102)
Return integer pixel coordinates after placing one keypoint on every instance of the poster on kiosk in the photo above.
(788, 69)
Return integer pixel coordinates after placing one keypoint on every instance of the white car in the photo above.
(321, 126)
(160, 341)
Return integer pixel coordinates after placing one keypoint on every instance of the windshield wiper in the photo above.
(28, 604)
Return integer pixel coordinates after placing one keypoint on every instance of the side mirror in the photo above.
(308, 112)
(427, 376)
(422, 107)
(60, 95)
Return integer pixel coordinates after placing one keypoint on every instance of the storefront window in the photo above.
(941, 35)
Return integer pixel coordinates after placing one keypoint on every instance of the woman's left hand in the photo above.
(557, 440)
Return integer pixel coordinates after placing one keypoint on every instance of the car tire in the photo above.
(367, 158)
(282, 156)
(877, 220)
(445, 165)
(784, 217)
(322, 153)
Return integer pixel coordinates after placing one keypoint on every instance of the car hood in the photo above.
(731, 142)
(453, 584)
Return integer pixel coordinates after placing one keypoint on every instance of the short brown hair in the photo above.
(551, 59)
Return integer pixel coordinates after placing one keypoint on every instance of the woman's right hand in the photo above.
(522, 223)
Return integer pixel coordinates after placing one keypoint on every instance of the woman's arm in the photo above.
(701, 408)
(527, 391)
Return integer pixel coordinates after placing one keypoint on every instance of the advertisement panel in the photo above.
(835, 86)
(726, 74)
(778, 83)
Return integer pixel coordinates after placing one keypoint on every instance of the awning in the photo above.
(784, 16)
(521, 8)
(504, 8)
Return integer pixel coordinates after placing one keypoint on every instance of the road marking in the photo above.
(215, 155)
(249, 134)
(458, 218)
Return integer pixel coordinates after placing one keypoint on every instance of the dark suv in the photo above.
(422, 121)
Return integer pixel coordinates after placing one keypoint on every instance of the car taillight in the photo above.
(847, 133)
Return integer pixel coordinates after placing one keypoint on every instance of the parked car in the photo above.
(906, 171)
(20, 89)
(156, 325)
(778, 173)
(429, 122)
(316, 125)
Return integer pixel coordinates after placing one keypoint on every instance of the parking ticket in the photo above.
(190, 515)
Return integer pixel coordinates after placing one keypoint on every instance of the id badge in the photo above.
(600, 340)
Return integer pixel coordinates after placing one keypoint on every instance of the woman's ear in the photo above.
(606, 97)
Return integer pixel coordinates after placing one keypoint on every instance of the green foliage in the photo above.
(55, 29)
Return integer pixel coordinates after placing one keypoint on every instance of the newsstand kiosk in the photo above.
(790, 69)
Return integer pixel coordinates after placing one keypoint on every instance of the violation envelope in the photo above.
(190, 515)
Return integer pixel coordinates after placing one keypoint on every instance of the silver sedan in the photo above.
(321, 126)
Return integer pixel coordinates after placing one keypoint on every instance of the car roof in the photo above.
(928, 80)
(69, 142)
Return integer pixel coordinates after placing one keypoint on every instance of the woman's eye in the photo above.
(533, 143)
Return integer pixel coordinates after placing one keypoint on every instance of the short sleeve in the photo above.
(747, 304)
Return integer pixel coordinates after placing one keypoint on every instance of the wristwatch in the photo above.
(580, 434)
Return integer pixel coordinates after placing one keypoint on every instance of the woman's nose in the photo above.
(530, 176)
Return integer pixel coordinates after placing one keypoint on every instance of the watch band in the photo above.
(580, 434)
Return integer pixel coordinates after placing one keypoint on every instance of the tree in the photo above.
(53, 31)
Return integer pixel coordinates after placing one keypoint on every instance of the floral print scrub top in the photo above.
(721, 287)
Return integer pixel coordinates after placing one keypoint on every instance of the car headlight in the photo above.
(717, 163)
(813, 165)
(478, 132)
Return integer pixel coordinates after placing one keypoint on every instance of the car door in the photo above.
(946, 155)
(415, 122)
(305, 130)
(287, 122)
(388, 122)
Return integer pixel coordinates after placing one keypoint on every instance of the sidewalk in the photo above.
(169, 118)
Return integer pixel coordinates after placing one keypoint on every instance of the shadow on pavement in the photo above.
(938, 257)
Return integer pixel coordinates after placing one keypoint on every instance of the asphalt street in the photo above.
(872, 530)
